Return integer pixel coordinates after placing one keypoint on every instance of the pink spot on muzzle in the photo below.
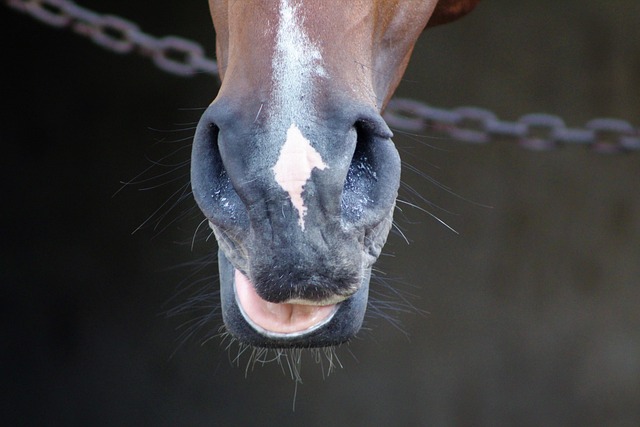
(294, 166)
(281, 318)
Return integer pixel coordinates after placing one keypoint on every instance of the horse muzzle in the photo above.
(300, 215)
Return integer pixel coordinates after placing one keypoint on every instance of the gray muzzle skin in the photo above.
(340, 327)
(349, 213)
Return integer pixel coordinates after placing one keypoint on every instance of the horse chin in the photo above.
(290, 324)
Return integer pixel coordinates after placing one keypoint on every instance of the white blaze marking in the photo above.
(296, 62)
(294, 166)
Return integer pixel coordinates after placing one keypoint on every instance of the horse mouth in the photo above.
(294, 323)
(292, 318)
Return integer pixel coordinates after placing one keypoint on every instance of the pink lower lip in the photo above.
(281, 318)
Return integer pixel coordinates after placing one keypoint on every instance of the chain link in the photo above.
(173, 54)
(473, 125)
(533, 131)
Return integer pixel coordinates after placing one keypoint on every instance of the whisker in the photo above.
(190, 128)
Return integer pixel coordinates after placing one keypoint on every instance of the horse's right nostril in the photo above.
(211, 184)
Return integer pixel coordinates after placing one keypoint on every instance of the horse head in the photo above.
(292, 163)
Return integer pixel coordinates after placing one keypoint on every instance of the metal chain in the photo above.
(170, 53)
(474, 125)
(536, 131)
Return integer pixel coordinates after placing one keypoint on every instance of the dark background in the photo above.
(531, 315)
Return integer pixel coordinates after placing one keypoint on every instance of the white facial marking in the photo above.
(294, 166)
(296, 62)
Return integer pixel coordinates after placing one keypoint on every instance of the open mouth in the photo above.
(288, 319)
(293, 323)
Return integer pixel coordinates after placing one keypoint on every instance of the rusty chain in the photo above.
(474, 125)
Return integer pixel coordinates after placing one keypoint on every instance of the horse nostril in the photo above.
(361, 176)
(373, 177)
(211, 184)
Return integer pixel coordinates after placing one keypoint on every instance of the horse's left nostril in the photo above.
(373, 177)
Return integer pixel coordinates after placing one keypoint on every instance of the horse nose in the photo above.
(301, 210)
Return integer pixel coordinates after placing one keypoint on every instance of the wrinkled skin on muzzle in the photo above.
(293, 165)
(289, 279)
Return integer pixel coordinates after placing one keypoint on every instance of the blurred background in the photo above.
(529, 316)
